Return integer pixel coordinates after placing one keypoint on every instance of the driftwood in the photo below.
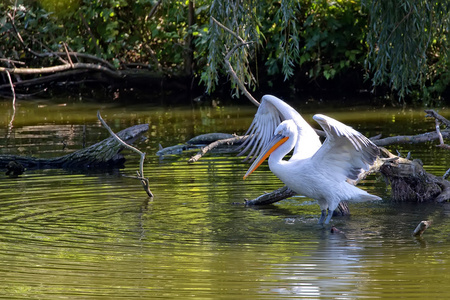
(411, 139)
(408, 180)
(272, 197)
(39, 70)
(60, 68)
(69, 59)
(104, 154)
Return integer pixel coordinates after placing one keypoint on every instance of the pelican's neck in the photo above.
(276, 157)
(308, 142)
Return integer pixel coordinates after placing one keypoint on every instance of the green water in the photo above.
(67, 235)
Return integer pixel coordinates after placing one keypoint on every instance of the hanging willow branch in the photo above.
(405, 40)
(140, 173)
(228, 63)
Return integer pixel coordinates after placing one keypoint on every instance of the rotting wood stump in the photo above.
(411, 183)
(102, 155)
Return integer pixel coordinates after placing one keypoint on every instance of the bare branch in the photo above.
(11, 61)
(235, 77)
(43, 79)
(60, 68)
(411, 139)
(215, 144)
(434, 114)
(154, 9)
(13, 103)
(83, 19)
(68, 55)
(140, 173)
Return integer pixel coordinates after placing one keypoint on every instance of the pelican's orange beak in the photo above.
(274, 143)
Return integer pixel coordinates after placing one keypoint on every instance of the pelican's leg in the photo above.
(322, 216)
(330, 214)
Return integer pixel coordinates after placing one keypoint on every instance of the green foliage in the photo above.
(332, 38)
(323, 37)
(284, 31)
(402, 44)
(22, 27)
(60, 7)
(117, 30)
(241, 18)
(409, 44)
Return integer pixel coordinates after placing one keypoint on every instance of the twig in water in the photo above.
(140, 173)
(446, 174)
(420, 229)
(441, 139)
(14, 101)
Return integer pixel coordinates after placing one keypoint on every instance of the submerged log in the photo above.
(272, 197)
(284, 193)
(104, 154)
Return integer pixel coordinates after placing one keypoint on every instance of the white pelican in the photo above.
(315, 170)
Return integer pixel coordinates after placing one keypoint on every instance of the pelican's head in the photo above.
(286, 130)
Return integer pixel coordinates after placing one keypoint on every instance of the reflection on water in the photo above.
(97, 235)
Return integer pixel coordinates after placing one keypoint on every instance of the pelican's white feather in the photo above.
(345, 151)
(271, 112)
(314, 170)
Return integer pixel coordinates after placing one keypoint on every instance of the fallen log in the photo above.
(102, 155)
(272, 197)
(284, 193)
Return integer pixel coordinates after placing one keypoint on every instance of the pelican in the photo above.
(315, 170)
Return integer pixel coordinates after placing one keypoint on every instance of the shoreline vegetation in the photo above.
(311, 48)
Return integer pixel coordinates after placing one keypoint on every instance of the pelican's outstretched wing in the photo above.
(271, 112)
(345, 152)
